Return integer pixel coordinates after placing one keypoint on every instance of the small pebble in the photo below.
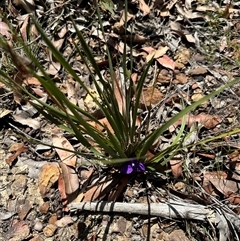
(38, 226)
(49, 230)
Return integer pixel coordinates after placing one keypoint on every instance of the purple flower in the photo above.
(133, 166)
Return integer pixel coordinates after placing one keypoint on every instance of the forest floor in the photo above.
(196, 49)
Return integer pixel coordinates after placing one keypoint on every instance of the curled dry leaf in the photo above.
(176, 167)
(166, 62)
(32, 81)
(65, 156)
(23, 29)
(208, 121)
(48, 176)
(5, 30)
(144, 7)
(226, 187)
(23, 119)
(70, 178)
(187, 13)
(20, 150)
(123, 17)
(104, 122)
(156, 53)
(61, 189)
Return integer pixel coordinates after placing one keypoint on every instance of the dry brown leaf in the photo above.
(62, 32)
(175, 26)
(135, 38)
(39, 92)
(234, 198)
(49, 175)
(99, 190)
(32, 81)
(62, 191)
(208, 121)
(178, 235)
(187, 13)
(164, 6)
(16, 146)
(176, 167)
(5, 30)
(190, 38)
(70, 178)
(23, 29)
(17, 92)
(234, 157)
(123, 17)
(148, 49)
(180, 78)
(198, 71)
(166, 62)
(214, 175)
(207, 155)
(144, 7)
(157, 53)
(134, 77)
(53, 68)
(65, 156)
(104, 122)
(20, 150)
(150, 96)
(58, 43)
(118, 92)
(4, 112)
(226, 187)
(115, 44)
(198, 96)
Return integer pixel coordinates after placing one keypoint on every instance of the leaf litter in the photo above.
(189, 67)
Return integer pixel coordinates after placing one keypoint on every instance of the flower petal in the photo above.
(127, 168)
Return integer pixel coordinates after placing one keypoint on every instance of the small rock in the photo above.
(38, 226)
(44, 208)
(53, 219)
(37, 238)
(49, 230)
(198, 71)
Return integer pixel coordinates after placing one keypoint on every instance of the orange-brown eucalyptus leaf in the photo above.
(65, 156)
(70, 178)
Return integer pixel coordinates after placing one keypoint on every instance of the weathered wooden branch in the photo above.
(170, 209)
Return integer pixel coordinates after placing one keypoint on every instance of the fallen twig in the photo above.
(170, 209)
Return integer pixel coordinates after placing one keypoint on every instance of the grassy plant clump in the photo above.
(118, 142)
